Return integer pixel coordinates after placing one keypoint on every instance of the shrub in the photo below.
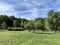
(9, 28)
(15, 29)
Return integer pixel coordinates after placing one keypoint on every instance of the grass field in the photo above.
(29, 38)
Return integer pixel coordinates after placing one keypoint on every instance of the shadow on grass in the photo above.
(44, 33)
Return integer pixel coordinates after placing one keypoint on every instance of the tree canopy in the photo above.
(50, 23)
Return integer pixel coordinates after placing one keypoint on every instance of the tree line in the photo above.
(49, 23)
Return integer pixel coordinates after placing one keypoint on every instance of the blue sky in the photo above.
(29, 9)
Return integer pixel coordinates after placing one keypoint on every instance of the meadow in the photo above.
(28, 38)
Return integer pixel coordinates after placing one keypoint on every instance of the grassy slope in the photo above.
(28, 38)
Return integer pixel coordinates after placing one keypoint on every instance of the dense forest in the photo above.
(49, 23)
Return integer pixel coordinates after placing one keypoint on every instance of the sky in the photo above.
(29, 9)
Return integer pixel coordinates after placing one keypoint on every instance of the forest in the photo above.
(49, 23)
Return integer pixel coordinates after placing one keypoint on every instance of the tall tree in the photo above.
(39, 24)
(22, 24)
(57, 21)
(15, 23)
(30, 26)
(49, 20)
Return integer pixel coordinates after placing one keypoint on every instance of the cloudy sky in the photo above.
(29, 9)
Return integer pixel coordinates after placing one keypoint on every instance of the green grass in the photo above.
(29, 38)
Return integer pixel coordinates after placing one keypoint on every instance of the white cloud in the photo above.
(34, 12)
(5, 7)
(34, 8)
(29, 18)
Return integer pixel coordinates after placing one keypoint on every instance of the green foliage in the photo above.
(49, 20)
(15, 23)
(22, 24)
(15, 29)
(12, 17)
(12, 21)
(0, 22)
(9, 28)
(29, 25)
(3, 17)
(39, 24)
(57, 21)
(52, 21)
(3, 25)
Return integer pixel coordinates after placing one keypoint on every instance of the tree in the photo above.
(15, 23)
(12, 17)
(4, 17)
(0, 22)
(4, 26)
(49, 25)
(57, 21)
(22, 24)
(39, 24)
(30, 26)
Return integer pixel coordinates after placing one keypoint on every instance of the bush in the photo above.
(15, 29)
(9, 28)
